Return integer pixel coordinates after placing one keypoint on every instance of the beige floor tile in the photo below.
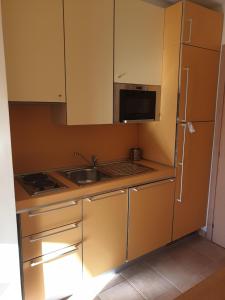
(180, 265)
(207, 248)
(149, 283)
(122, 291)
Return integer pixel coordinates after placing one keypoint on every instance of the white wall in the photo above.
(9, 257)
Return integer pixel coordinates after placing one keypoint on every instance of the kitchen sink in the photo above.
(84, 176)
(104, 172)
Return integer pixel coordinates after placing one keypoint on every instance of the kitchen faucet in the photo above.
(92, 161)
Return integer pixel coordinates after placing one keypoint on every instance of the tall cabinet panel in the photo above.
(199, 75)
(34, 48)
(89, 61)
(199, 62)
(202, 26)
(193, 171)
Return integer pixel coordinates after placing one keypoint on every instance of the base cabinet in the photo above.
(53, 276)
(104, 232)
(150, 217)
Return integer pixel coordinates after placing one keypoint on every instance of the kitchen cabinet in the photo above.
(202, 26)
(198, 89)
(51, 240)
(193, 174)
(89, 61)
(104, 232)
(150, 217)
(34, 50)
(139, 27)
(50, 216)
(54, 276)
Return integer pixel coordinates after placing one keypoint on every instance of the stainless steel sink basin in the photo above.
(84, 176)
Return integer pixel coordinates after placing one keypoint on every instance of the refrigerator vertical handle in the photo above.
(182, 164)
(190, 23)
(187, 70)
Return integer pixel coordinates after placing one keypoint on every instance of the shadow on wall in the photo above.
(40, 144)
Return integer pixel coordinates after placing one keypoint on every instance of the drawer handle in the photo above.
(190, 22)
(40, 236)
(54, 256)
(107, 195)
(143, 187)
(41, 211)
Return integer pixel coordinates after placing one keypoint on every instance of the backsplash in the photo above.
(40, 144)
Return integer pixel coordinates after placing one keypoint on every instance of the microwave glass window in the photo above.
(137, 105)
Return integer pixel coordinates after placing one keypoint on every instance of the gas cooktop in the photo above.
(38, 183)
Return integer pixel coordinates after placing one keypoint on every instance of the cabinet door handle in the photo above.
(40, 236)
(190, 23)
(187, 70)
(50, 208)
(143, 187)
(107, 195)
(121, 75)
(54, 256)
(182, 164)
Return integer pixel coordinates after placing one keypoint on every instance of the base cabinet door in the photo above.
(104, 232)
(193, 173)
(150, 217)
(54, 276)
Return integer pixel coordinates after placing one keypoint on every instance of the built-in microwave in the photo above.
(136, 103)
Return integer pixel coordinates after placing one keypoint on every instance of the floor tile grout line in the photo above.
(164, 277)
(131, 283)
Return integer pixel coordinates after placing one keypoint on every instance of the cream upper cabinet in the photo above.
(202, 26)
(89, 61)
(34, 49)
(139, 27)
(150, 217)
(104, 232)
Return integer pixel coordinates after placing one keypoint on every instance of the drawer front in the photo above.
(49, 217)
(54, 276)
(51, 240)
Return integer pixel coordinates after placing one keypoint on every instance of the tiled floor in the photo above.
(165, 274)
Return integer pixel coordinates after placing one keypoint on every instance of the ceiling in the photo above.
(216, 4)
(210, 3)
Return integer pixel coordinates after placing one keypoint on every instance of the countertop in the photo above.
(25, 202)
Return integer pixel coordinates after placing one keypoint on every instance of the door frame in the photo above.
(220, 114)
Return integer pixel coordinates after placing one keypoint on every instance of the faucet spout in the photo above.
(92, 162)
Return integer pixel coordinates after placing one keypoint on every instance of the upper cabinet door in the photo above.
(202, 26)
(89, 61)
(34, 49)
(139, 28)
(199, 76)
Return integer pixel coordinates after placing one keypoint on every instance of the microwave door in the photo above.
(137, 105)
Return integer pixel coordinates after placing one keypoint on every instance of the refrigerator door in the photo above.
(194, 151)
(198, 84)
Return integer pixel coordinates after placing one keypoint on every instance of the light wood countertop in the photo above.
(24, 201)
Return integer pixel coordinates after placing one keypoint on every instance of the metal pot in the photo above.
(135, 154)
